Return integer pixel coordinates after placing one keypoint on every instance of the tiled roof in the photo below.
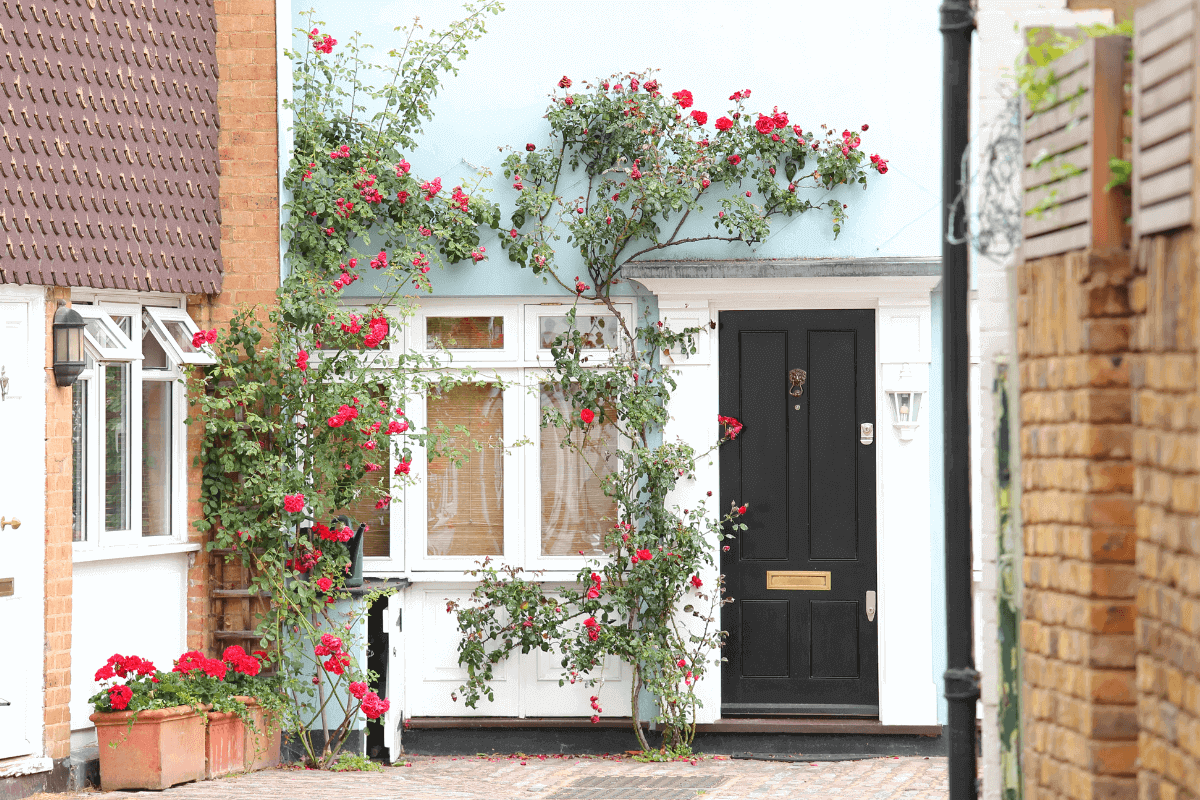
(108, 170)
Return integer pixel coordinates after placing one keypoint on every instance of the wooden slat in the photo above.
(1061, 216)
(1058, 117)
(1161, 127)
(1166, 185)
(1058, 168)
(238, 593)
(1162, 157)
(1072, 90)
(1059, 192)
(1150, 16)
(1061, 141)
(1171, 31)
(1164, 216)
(1075, 60)
(1057, 242)
(236, 634)
(1167, 94)
(1166, 64)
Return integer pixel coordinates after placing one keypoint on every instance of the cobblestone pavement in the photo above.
(580, 778)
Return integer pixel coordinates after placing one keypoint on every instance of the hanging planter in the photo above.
(151, 749)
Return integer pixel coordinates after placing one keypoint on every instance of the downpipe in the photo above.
(961, 679)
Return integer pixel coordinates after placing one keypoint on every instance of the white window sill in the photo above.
(458, 576)
(82, 555)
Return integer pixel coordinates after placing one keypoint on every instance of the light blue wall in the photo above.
(877, 63)
(937, 504)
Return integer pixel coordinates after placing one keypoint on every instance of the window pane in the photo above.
(153, 354)
(466, 501)
(181, 334)
(78, 459)
(465, 333)
(116, 448)
(575, 512)
(377, 539)
(156, 458)
(598, 331)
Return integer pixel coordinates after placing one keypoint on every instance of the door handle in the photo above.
(871, 606)
(14, 522)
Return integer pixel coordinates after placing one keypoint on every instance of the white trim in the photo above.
(907, 695)
(135, 551)
(124, 349)
(284, 118)
(159, 318)
(26, 765)
(511, 331)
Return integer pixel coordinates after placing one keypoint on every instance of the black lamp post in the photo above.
(68, 344)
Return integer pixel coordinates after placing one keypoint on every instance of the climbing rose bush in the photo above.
(650, 176)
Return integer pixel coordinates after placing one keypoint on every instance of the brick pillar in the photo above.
(1078, 511)
(1166, 413)
(58, 581)
(248, 147)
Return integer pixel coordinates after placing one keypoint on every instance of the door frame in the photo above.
(905, 550)
(32, 530)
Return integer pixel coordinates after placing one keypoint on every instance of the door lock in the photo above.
(14, 522)
(866, 433)
(871, 606)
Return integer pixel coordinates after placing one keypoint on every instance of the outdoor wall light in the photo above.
(68, 344)
(904, 400)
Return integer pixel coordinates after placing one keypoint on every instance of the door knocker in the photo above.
(797, 377)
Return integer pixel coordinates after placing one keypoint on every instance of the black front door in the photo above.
(802, 631)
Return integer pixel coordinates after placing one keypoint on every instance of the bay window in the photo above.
(127, 423)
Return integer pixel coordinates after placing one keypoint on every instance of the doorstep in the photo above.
(824, 725)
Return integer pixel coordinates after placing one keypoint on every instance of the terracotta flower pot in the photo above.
(224, 743)
(163, 747)
(262, 740)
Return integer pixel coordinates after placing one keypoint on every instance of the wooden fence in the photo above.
(1067, 146)
(1164, 115)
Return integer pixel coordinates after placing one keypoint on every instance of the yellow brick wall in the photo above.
(1077, 506)
(1166, 413)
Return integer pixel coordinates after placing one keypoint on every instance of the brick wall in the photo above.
(249, 201)
(58, 583)
(1166, 407)
(1078, 512)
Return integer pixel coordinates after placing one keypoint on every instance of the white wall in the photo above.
(131, 606)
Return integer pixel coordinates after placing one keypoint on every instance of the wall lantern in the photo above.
(68, 344)
(904, 399)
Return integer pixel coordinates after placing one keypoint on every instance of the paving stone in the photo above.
(574, 778)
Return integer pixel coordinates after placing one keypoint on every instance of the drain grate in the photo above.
(635, 787)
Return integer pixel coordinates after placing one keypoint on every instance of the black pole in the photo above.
(962, 681)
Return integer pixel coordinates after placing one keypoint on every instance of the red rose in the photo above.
(302, 360)
(587, 415)
(568, 100)
(324, 584)
(530, 147)
(294, 503)
(564, 82)
(696, 581)
(402, 468)
(780, 119)
(734, 159)
(358, 689)
(644, 555)
(764, 124)
(650, 86)
(864, 127)
(723, 123)
(742, 509)
(119, 697)
(683, 97)
(701, 117)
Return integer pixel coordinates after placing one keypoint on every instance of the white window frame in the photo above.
(416, 497)
(125, 350)
(523, 366)
(509, 312)
(99, 543)
(159, 317)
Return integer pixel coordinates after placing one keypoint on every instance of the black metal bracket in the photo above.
(957, 15)
(962, 684)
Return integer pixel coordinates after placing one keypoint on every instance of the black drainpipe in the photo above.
(962, 681)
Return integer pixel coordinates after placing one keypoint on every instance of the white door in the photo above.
(22, 497)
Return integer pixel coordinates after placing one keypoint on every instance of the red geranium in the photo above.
(119, 697)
